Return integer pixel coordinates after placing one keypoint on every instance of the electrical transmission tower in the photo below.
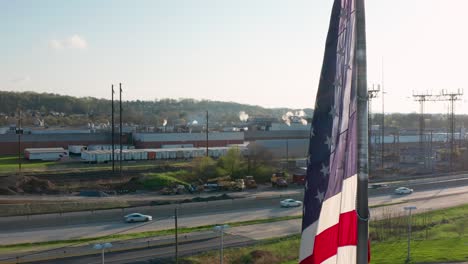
(443, 96)
(452, 97)
(422, 98)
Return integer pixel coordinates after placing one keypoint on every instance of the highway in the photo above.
(263, 205)
(144, 250)
(428, 195)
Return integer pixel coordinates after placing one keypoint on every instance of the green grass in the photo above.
(446, 242)
(10, 164)
(156, 181)
(278, 250)
(285, 251)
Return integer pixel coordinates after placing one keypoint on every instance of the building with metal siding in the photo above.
(279, 134)
(215, 139)
(9, 142)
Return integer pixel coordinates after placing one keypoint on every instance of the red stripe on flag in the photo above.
(327, 243)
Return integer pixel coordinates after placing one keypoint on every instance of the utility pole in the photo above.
(287, 154)
(410, 209)
(19, 131)
(383, 120)
(112, 131)
(371, 94)
(207, 133)
(176, 237)
(120, 130)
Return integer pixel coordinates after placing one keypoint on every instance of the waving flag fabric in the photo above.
(329, 224)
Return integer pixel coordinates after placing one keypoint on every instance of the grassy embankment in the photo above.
(156, 181)
(438, 236)
(9, 164)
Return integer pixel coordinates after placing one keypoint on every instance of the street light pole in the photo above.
(176, 237)
(222, 242)
(102, 247)
(410, 209)
(221, 228)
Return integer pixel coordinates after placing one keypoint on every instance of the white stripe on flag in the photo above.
(330, 213)
(348, 202)
(308, 241)
(346, 255)
(342, 202)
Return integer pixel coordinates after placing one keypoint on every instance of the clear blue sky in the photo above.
(263, 52)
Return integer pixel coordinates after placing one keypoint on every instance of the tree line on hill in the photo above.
(61, 110)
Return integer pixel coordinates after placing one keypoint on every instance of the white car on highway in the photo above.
(403, 190)
(290, 203)
(137, 217)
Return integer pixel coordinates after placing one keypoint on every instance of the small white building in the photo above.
(45, 153)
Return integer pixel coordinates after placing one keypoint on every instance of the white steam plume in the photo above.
(287, 118)
(300, 113)
(243, 116)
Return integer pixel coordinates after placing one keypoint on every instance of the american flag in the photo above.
(329, 223)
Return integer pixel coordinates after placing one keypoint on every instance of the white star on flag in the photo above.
(325, 170)
(329, 142)
(320, 196)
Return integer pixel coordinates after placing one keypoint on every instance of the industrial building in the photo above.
(160, 140)
(10, 142)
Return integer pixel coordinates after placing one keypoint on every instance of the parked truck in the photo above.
(299, 178)
(279, 179)
(225, 184)
(250, 182)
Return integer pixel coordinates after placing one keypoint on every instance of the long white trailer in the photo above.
(45, 153)
(101, 156)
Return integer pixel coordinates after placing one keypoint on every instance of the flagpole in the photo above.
(363, 170)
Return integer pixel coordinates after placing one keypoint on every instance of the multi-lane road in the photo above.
(429, 194)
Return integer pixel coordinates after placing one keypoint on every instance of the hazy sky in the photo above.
(263, 52)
